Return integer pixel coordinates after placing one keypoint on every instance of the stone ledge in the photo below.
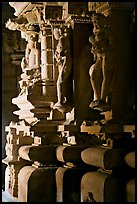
(6, 197)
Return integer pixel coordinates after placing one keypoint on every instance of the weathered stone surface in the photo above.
(130, 190)
(49, 138)
(7, 197)
(56, 115)
(68, 184)
(11, 176)
(70, 153)
(104, 157)
(45, 154)
(102, 187)
(71, 128)
(130, 159)
(45, 128)
(37, 184)
(18, 135)
(107, 128)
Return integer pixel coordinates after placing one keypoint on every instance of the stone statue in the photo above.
(30, 64)
(23, 87)
(64, 64)
(102, 72)
(32, 51)
(23, 82)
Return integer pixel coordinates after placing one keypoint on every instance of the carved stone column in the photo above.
(39, 72)
(48, 71)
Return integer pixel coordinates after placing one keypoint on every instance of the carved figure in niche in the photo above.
(64, 64)
(30, 64)
(102, 72)
(32, 54)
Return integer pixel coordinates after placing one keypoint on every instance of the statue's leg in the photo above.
(67, 82)
(107, 78)
(59, 90)
(96, 79)
(106, 72)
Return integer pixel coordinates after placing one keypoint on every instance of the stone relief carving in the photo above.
(32, 51)
(30, 64)
(102, 72)
(40, 15)
(64, 64)
(28, 79)
(19, 23)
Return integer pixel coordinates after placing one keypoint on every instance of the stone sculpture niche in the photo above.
(102, 71)
(30, 64)
(64, 63)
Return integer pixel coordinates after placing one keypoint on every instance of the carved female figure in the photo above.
(102, 72)
(64, 64)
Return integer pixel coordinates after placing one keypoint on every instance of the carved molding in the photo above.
(101, 7)
(79, 19)
(55, 22)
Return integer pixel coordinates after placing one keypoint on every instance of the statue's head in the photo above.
(33, 37)
(56, 33)
(100, 21)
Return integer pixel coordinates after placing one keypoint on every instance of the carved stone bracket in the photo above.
(22, 7)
